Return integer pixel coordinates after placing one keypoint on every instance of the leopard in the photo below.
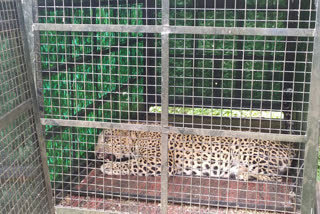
(131, 152)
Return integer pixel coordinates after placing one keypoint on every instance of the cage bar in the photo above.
(175, 29)
(164, 108)
(312, 147)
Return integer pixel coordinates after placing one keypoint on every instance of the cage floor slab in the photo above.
(191, 191)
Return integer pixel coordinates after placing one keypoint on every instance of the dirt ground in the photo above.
(134, 206)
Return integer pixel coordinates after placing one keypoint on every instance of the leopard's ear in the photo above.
(99, 147)
(133, 135)
(101, 137)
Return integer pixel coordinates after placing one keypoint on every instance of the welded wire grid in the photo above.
(22, 184)
(247, 83)
(13, 78)
(250, 13)
(75, 157)
(119, 12)
(225, 82)
(110, 77)
(22, 181)
(211, 187)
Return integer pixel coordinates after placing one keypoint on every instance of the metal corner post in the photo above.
(35, 56)
(38, 127)
(27, 8)
(165, 107)
(311, 154)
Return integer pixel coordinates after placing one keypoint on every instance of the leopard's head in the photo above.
(115, 145)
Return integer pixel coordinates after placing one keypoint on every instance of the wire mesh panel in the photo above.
(22, 178)
(258, 14)
(240, 82)
(14, 84)
(202, 105)
(94, 76)
(131, 12)
(81, 178)
(22, 181)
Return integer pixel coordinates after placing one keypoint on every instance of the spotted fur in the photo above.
(138, 153)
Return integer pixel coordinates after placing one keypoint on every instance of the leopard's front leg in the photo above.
(115, 168)
(142, 166)
(247, 174)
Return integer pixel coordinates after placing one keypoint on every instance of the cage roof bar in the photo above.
(175, 29)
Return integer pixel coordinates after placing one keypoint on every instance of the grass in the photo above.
(220, 112)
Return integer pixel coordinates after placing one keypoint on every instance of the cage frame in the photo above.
(310, 139)
(35, 106)
(29, 104)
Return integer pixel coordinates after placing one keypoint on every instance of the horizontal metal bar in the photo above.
(175, 29)
(241, 31)
(6, 119)
(169, 129)
(97, 28)
(100, 125)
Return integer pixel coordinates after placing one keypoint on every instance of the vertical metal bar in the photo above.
(165, 12)
(311, 151)
(35, 59)
(36, 110)
(164, 107)
(27, 7)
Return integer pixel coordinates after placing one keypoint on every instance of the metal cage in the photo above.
(177, 73)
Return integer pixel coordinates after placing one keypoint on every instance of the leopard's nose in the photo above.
(110, 157)
(100, 155)
(232, 176)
